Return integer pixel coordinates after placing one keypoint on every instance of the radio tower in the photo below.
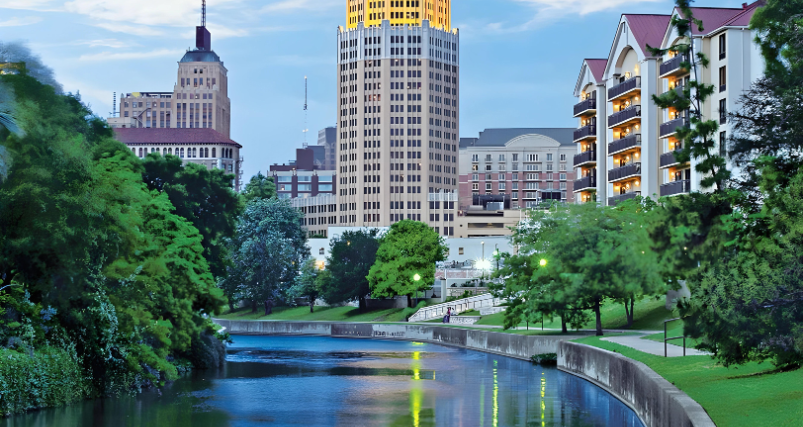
(203, 13)
(306, 131)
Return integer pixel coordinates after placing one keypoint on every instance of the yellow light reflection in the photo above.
(496, 396)
(416, 392)
(543, 403)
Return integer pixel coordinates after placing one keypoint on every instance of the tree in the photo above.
(351, 256)
(698, 139)
(778, 24)
(267, 252)
(202, 196)
(405, 261)
(260, 187)
(307, 283)
(590, 254)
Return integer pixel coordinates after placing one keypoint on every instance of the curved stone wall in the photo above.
(654, 399)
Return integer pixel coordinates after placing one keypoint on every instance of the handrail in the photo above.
(673, 338)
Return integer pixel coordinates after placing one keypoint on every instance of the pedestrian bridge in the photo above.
(437, 311)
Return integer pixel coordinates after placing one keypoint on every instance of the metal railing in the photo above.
(668, 159)
(624, 143)
(666, 353)
(624, 171)
(624, 87)
(671, 127)
(622, 116)
(584, 132)
(673, 64)
(622, 197)
(586, 182)
(682, 186)
(587, 105)
(586, 156)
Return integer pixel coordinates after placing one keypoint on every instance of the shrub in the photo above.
(545, 359)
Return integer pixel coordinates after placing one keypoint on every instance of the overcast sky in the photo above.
(519, 58)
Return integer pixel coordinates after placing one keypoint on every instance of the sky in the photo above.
(519, 58)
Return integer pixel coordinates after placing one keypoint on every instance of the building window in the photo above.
(501, 177)
(475, 177)
(460, 251)
(549, 157)
(723, 111)
(475, 187)
(532, 157)
(487, 186)
(515, 195)
(723, 144)
(722, 46)
(563, 166)
(515, 177)
(475, 157)
(501, 157)
(722, 79)
(502, 186)
(562, 157)
(515, 185)
(515, 157)
(563, 177)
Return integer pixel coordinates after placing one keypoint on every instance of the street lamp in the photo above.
(417, 277)
(543, 263)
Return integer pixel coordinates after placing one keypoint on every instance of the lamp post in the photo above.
(496, 255)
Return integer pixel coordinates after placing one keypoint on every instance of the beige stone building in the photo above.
(398, 112)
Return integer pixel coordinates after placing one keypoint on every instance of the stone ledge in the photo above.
(655, 400)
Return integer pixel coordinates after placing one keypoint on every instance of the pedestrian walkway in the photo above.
(653, 347)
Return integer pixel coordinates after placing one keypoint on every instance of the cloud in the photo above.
(112, 43)
(124, 56)
(295, 5)
(174, 13)
(136, 30)
(38, 5)
(549, 11)
(19, 22)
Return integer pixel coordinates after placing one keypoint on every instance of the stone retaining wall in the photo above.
(655, 400)
(512, 345)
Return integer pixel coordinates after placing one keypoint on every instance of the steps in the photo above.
(477, 302)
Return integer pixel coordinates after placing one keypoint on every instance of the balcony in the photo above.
(585, 157)
(668, 159)
(587, 106)
(585, 184)
(676, 187)
(622, 197)
(672, 66)
(624, 144)
(670, 128)
(624, 172)
(621, 117)
(678, 89)
(585, 132)
(624, 88)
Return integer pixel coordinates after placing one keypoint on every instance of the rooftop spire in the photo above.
(203, 13)
(203, 39)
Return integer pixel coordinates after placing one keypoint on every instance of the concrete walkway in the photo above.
(653, 347)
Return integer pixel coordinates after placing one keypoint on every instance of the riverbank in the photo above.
(47, 378)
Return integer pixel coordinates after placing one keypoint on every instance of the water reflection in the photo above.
(289, 381)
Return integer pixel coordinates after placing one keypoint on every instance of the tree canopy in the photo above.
(405, 261)
(351, 256)
(259, 187)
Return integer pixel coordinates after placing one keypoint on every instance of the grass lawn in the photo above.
(650, 315)
(748, 395)
(341, 314)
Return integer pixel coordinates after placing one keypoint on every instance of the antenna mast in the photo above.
(306, 131)
(203, 13)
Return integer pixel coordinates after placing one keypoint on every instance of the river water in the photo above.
(322, 381)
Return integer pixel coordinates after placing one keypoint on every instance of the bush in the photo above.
(545, 359)
(50, 377)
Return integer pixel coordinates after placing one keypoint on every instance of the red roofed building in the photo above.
(202, 146)
(625, 142)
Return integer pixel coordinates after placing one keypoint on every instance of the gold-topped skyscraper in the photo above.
(398, 114)
(372, 13)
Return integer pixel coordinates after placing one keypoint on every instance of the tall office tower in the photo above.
(397, 142)
(200, 97)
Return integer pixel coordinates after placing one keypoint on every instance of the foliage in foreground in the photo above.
(89, 257)
(351, 256)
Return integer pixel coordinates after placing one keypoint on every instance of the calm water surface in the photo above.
(317, 381)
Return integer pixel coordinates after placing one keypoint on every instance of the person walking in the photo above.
(448, 314)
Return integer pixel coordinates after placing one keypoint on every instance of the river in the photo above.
(322, 381)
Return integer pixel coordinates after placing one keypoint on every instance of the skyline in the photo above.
(119, 43)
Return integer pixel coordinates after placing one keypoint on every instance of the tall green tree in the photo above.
(267, 253)
(408, 252)
(699, 137)
(351, 256)
(259, 187)
(307, 283)
(202, 196)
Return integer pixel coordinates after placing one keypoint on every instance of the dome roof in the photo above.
(200, 56)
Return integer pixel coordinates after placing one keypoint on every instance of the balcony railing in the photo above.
(585, 132)
(622, 197)
(624, 143)
(624, 171)
(676, 187)
(668, 159)
(673, 64)
(671, 127)
(585, 183)
(585, 157)
(624, 115)
(587, 105)
(678, 89)
(624, 87)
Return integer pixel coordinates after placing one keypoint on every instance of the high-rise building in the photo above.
(398, 112)
(626, 143)
(199, 101)
(327, 138)
(200, 97)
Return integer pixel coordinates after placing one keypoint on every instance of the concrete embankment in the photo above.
(655, 400)
(512, 345)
